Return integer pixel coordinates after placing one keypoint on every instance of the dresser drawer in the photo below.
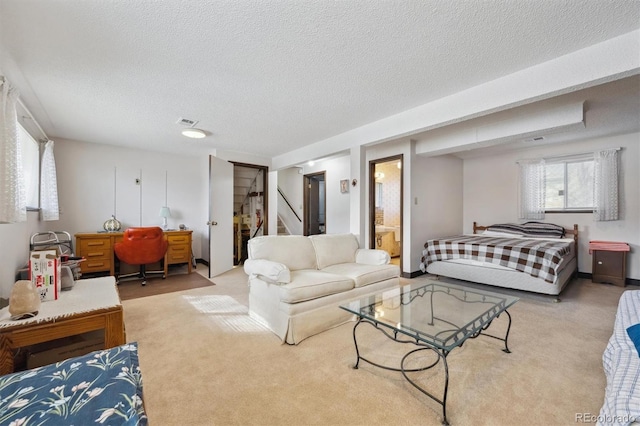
(178, 253)
(178, 239)
(95, 265)
(94, 245)
(97, 252)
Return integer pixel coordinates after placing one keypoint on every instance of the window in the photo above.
(30, 167)
(569, 185)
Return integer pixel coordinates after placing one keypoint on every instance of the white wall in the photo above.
(86, 188)
(14, 254)
(436, 202)
(491, 195)
(338, 203)
(14, 250)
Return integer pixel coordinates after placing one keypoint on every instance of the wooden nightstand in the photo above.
(609, 262)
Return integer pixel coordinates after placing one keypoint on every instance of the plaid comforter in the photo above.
(538, 258)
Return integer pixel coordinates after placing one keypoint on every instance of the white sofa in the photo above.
(297, 283)
(621, 362)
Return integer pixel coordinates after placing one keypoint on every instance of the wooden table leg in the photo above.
(6, 355)
(114, 330)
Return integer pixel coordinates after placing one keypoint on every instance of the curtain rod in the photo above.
(560, 157)
(24, 107)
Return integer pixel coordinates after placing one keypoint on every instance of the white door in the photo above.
(220, 216)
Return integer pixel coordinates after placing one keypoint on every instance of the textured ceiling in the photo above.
(266, 77)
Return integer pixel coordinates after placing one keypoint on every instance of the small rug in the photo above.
(156, 285)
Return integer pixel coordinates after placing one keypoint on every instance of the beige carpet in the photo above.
(205, 362)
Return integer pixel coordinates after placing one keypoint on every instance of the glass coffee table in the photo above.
(433, 316)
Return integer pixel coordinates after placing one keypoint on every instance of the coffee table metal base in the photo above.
(422, 346)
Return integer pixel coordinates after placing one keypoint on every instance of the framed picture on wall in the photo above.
(344, 185)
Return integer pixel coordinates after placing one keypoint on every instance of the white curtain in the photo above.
(12, 195)
(48, 185)
(605, 197)
(532, 189)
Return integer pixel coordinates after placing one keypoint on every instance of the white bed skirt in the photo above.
(502, 277)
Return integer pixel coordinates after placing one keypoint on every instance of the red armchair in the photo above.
(141, 246)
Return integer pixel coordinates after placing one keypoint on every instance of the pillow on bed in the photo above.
(490, 233)
(634, 335)
(509, 229)
(542, 230)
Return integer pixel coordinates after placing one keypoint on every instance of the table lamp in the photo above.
(164, 214)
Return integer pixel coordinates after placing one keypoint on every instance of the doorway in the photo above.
(249, 207)
(385, 206)
(314, 204)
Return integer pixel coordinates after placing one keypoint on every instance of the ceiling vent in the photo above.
(186, 122)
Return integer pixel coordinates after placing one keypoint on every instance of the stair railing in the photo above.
(289, 204)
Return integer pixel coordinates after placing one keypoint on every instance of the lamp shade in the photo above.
(165, 212)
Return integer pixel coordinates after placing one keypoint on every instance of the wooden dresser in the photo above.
(97, 249)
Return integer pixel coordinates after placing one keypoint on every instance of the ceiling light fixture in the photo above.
(194, 133)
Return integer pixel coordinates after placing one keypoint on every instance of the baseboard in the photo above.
(585, 275)
(588, 276)
(204, 262)
(412, 274)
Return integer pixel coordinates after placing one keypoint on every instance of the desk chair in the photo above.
(141, 246)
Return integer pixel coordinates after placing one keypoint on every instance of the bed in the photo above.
(103, 387)
(535, 256)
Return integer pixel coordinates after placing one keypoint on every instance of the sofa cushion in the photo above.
(334, 248)
(362, 274)
(310, 284)
(295, 251)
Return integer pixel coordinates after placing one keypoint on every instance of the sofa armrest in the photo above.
(267, 270)
(372, 257)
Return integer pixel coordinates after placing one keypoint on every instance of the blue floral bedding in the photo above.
(103, 387)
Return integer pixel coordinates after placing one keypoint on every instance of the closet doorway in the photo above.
(386, 185)
(315, 201)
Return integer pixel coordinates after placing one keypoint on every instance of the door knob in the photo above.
(212, 223)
